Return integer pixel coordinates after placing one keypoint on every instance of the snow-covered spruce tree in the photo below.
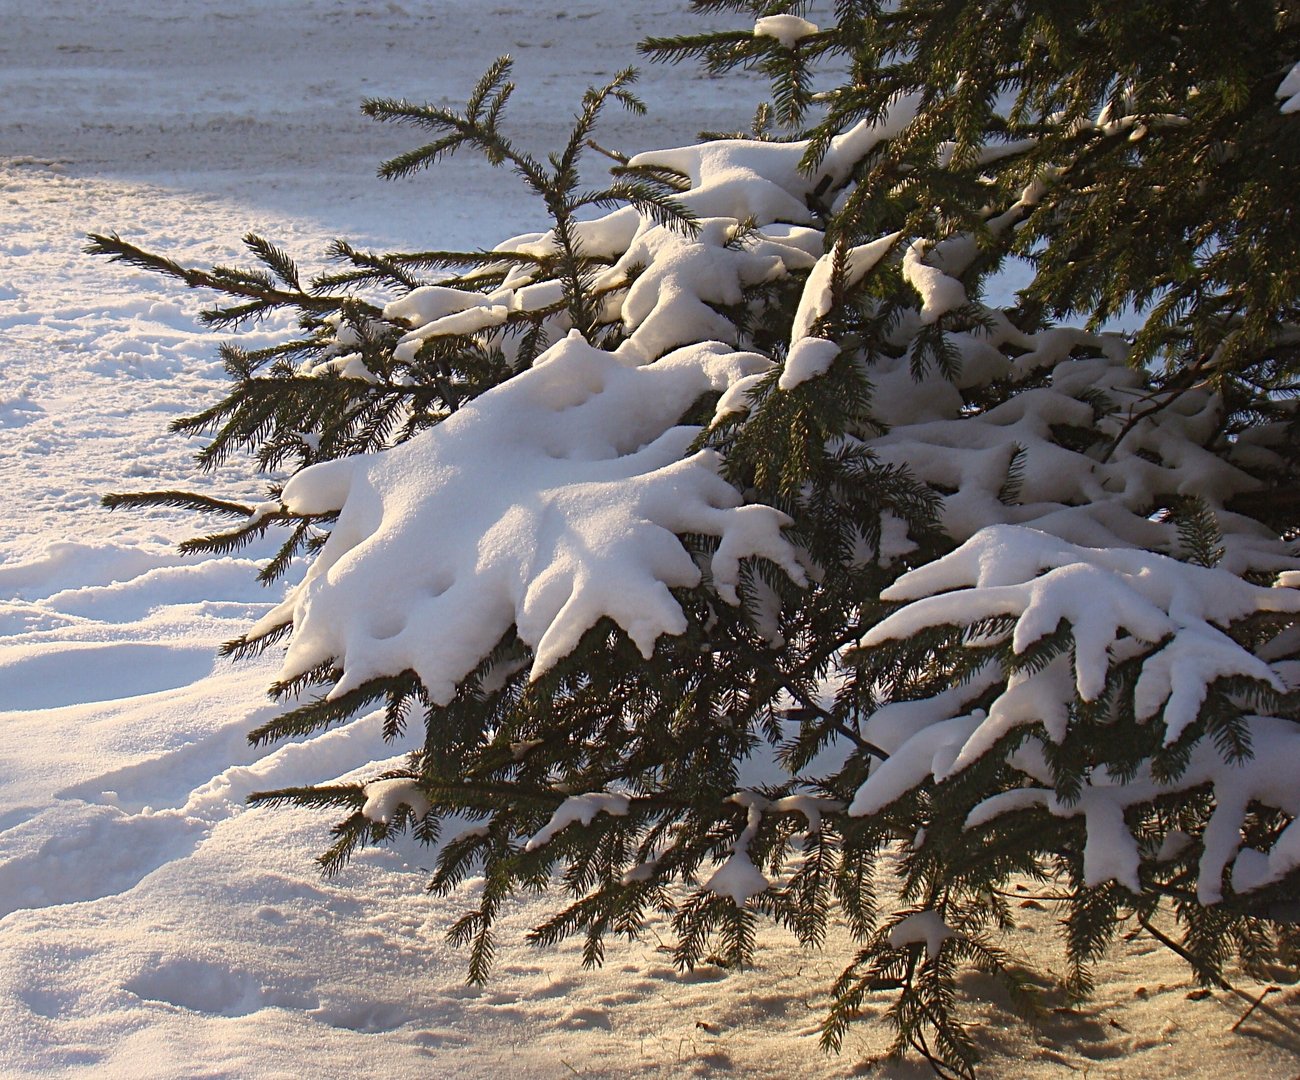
(743, 468)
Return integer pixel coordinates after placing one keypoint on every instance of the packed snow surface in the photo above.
(151, 924)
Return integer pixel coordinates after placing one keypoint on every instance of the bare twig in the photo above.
(613, 155)
(1223, 983)
(1256, 1004)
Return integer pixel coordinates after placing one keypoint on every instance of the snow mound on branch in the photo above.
(548, 503)
(740, 178)
(808, 358)
(939, 292)
(787, 29)
(747, 178)
(924, 928)
(672, 301)
(385, 797)
(677, 282)
(1040, 580)
(581, 808)
(1112, 853)
(816, 299)
(1289, 91)
(1160, 452)
(738, 878)
(1119, 604)
(556, 499)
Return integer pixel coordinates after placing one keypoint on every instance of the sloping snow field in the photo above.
(150, 924)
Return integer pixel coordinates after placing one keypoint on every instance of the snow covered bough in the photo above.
(729, 556)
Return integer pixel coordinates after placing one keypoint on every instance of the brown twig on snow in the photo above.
(1256, 1004)
(1222, 983)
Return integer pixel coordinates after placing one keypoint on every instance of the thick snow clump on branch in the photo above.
(1117, 604)
(555, 499)
(787, 29)
(548, 503)
(581, 808)
(385, 797)
(1289, 91)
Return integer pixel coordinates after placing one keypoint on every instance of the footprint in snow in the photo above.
(102, 852)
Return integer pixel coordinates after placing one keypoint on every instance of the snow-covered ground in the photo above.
(150, 923)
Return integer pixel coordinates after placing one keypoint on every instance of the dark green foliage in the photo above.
(558, 187)
(1189, 91)
(263, 290)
